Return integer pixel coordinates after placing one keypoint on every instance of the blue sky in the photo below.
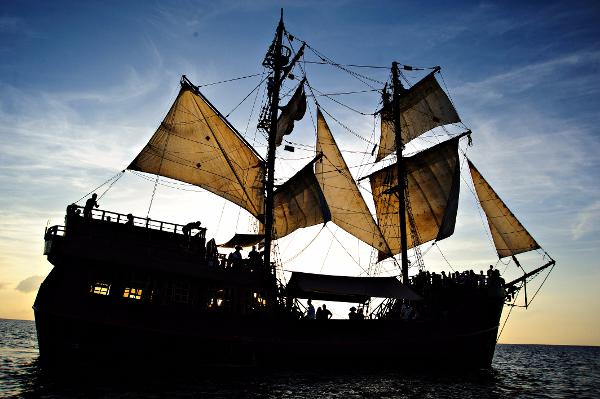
(84, 85)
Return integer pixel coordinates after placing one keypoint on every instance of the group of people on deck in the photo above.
(322, 313)
(236, 261)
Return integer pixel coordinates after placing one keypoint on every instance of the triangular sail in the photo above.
(422, 107)
(195, 144)
(433, 178)
(347, 206)
(299, 202)
(509, 235)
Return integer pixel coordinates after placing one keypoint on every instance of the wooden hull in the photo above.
(91, 331)
(191, 310)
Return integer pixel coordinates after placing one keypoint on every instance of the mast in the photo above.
(397, 89)
(274, 108)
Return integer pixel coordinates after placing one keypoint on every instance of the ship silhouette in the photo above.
(132, 289)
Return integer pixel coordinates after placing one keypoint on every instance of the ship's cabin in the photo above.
(122, 260)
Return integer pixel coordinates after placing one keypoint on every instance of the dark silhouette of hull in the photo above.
(215, 320)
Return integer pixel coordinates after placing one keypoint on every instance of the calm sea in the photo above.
(519, 371)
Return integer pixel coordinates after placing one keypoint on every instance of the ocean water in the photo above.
(519, 371)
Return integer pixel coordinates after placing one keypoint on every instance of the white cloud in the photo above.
(588, 221)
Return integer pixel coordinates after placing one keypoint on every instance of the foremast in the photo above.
(277, 65)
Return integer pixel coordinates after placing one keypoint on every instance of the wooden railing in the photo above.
(120, 218)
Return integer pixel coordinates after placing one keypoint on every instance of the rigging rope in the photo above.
(248, 95)
(512, 306)
(118, 175)
(230, 80)
(443, 256)
(349, 254)
(111, 184)
(303, 249)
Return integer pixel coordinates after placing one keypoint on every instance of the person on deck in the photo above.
(235, 258)
(319, 315)
(310, 312)
(254, 257)
(129, 221)
(89, 205)
(352, 314)
(324, 313)
(187, 229)
(490, 271)
(359, 314)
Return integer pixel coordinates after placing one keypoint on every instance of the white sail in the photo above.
(422, 107)
(433, 178)
(298, 203)
(346, 204)
(195, 144)
(509, 235)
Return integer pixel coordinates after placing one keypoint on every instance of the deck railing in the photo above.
(120, 218)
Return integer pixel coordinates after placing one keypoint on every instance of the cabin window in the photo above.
(215, 298)
(100, 288)
(178, 292)
(132, 293)
(259, 299)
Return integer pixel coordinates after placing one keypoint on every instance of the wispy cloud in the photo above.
(30, 284)
(529, 76)
(588, 221)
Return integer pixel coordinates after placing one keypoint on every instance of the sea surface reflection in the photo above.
(518, 371)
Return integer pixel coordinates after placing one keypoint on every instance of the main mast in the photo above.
(274, 108)
(397, 89)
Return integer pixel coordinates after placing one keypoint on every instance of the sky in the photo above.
(84, 85)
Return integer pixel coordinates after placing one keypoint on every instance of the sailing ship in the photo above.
(125, 287)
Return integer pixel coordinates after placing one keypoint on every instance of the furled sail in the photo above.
(197, 145)
(293, 111)
(433, 178)
(347, 206)
(299, 202)
(509, 235)
(422, 107)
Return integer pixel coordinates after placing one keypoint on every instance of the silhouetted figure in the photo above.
(211, 252)
(187, 229)
(71, 209)
(235, 258)
(310, 312)
(323, 313)
(129, 221)
(359, 314)
(89, 205)
(254, 256)
(352, 314)
(490, 271)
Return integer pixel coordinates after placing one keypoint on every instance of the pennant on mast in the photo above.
(509, 235)
(347, 206)
(422, 107)
(197, 145)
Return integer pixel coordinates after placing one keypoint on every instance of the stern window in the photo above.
(100, 288)
(132, 293)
